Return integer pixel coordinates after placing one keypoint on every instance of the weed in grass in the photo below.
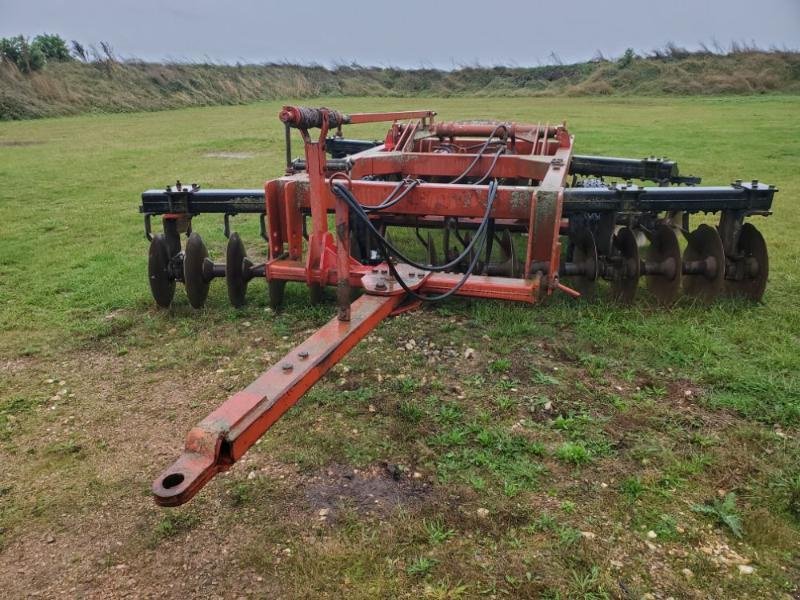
(240, 493)
(544, 522)
(787, 487)
(632, 488)
(573, 453)
(449, 438)
(442, 590)
(476, 382)
(173, 523)
(421, 566)
(410, 411)
(567, 536)
(449, 413)
(541, 378)
(568, 506)
(406, 385)
(500, 366)
(10, 411)
(666, 528)
(586, 585)
(478, 483)
(507, 385)
(724, 513)
(504, 403)
(704, 441)
(437, 531)
(511, 488)
(64, 449)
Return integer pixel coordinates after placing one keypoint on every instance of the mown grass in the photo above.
(571, 428)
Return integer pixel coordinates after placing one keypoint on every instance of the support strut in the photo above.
(226, 434)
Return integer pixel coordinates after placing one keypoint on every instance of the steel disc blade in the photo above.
(162, 284)
(625, 281)
(512, 264)
(196, 284)
(506, 245)
(433, 259)
(704, 244)
(235, 270)
(753, 261)
(584, 254)
(664, 253)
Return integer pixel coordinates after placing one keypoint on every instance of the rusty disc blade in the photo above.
(194, 280)
(236, 270)
(625, 281)
(664, 254)
(162, 283)
(584, 255)
(752, 262)
(704, 246)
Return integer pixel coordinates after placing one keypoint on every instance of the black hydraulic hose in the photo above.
(478, 156)
(443, 295)
(345, 194)
(391, 199)
(383, 245)
(491, 167)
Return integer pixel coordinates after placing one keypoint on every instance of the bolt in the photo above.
(754, 183)
(303, 354)
(374, 270)
(287, 367)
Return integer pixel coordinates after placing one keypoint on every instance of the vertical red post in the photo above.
(342, 260)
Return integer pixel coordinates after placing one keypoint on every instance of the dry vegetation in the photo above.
(106, 84)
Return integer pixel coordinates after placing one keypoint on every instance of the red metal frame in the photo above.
(534, 168)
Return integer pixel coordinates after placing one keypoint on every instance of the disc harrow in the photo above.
(479, 208)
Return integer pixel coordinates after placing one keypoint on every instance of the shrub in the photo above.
(24, 55)
(52, 46)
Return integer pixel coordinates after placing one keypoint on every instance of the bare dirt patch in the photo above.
(377, 490)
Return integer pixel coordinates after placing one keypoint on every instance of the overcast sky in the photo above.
(406, 33)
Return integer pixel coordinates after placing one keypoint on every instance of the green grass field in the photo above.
(584, 451)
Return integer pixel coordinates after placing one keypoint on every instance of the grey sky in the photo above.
(407, 33)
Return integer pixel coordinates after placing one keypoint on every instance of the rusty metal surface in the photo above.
(226, 434)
